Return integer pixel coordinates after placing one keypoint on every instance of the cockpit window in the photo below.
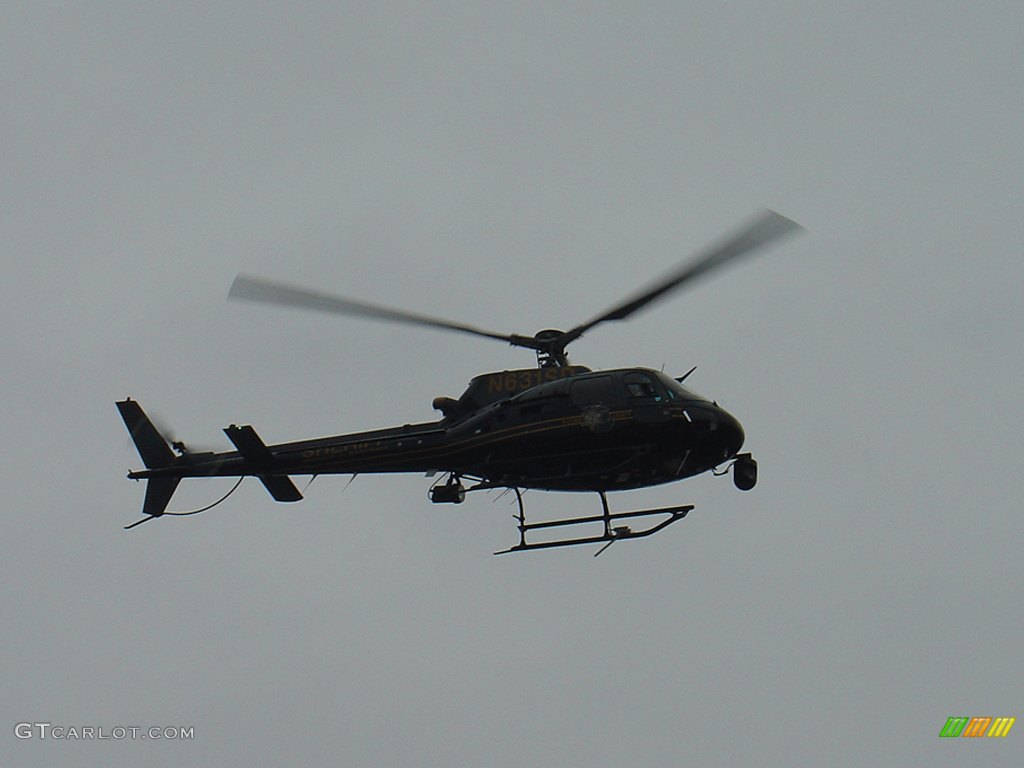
(642, 386)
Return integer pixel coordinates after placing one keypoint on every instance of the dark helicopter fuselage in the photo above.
(560, 428)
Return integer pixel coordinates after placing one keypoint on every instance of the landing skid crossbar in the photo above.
(610, 535)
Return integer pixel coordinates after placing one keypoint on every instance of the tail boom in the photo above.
(164, 470)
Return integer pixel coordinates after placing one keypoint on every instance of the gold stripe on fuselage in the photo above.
(381, 450)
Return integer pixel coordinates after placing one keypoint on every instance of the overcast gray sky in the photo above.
(514, 166)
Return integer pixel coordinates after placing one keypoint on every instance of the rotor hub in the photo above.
(550, 348)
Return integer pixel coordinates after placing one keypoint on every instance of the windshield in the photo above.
(678, 392)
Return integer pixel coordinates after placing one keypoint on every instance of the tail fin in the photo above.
(155, 453)
(158, 495)
(152, 447)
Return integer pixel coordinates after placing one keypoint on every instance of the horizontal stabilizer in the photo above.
(250, 445)
(281, 487)
(255, 451)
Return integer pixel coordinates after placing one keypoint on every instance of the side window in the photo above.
(598, 389)
(640, 386)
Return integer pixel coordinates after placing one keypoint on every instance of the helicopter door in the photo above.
(595, 390)
(594, 396)
(646, 397)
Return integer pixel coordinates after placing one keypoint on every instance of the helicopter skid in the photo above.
(610, 535)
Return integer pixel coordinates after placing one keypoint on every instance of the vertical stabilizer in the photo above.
(155, 453)
(158, 495)
(151, 445)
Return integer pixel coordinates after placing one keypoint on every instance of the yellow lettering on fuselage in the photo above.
(346, 449)
(508, 382)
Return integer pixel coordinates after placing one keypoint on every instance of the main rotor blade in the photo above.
(766, 227)
(270, 292)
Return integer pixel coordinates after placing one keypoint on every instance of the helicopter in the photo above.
(553, 427)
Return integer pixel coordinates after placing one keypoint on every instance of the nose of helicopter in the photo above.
(729, 432)
(721, 435)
